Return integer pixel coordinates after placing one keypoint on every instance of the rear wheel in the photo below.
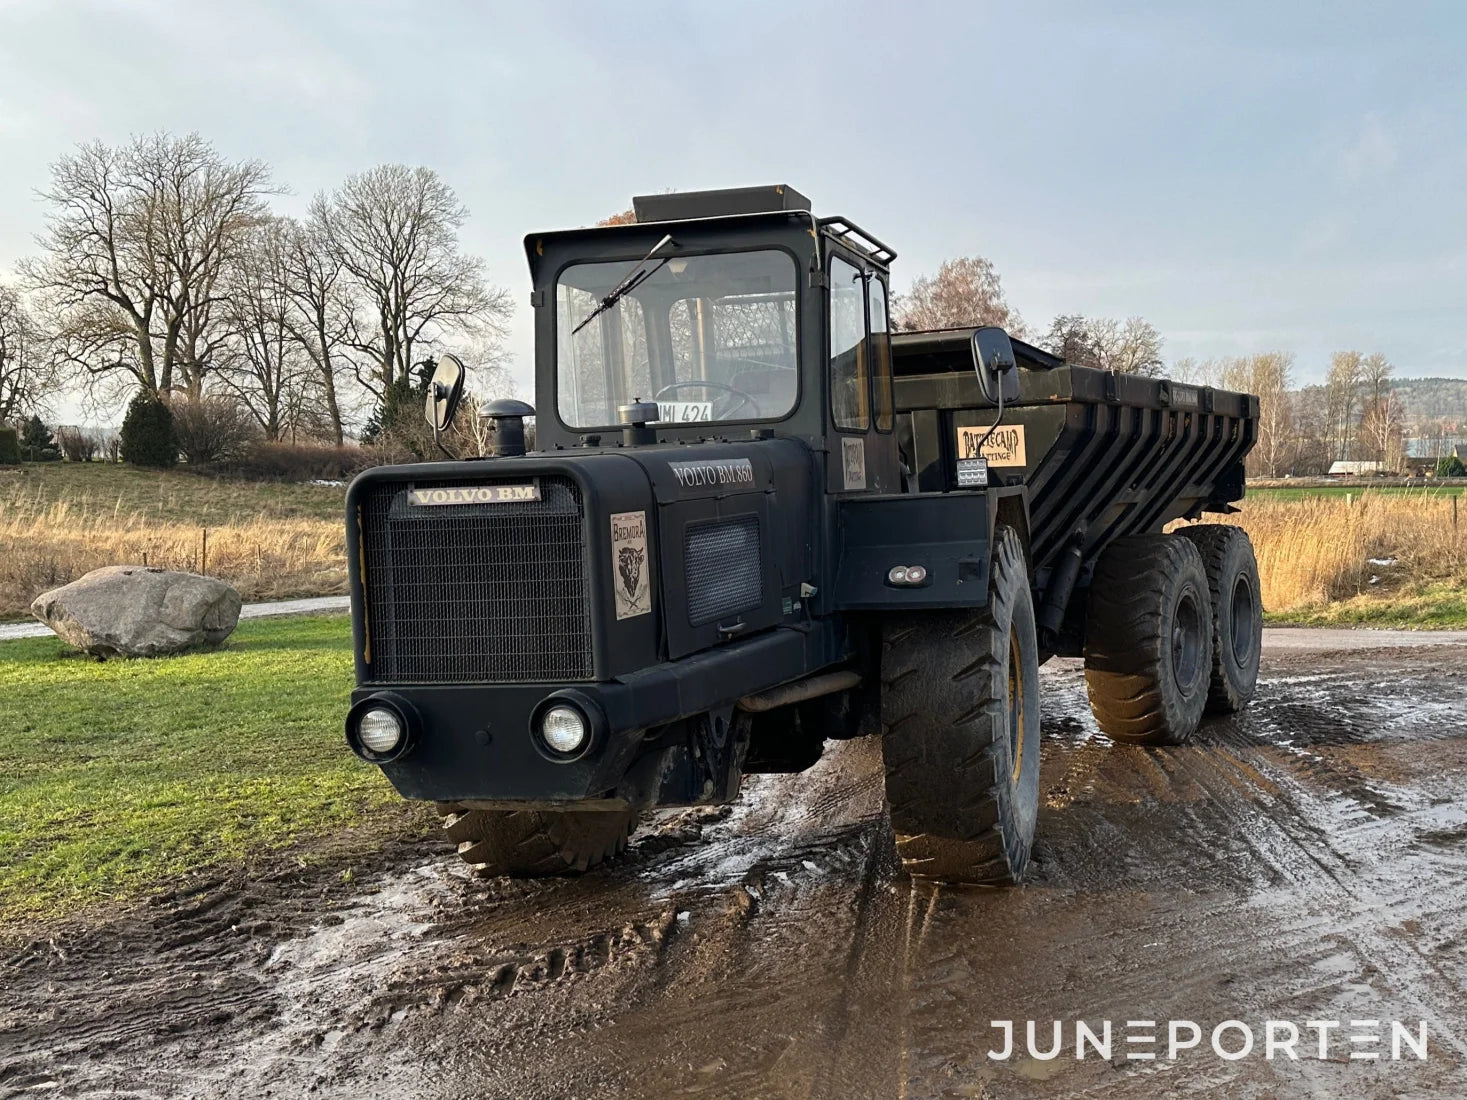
(1148, 640)
(535, 843)
(1237, 612)
(960, 731)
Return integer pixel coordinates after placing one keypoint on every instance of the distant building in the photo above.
(1356, 469)
(1425, 465)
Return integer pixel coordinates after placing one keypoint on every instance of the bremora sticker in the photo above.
(717, 471)
(630, 585)
(473, 494)
(853, 462)
(1005, 447)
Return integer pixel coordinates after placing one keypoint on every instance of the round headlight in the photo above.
(379, 730)
(898, 575)
(564, 729)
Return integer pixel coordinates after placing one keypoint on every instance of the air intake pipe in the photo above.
(635, 419)
(507, 416)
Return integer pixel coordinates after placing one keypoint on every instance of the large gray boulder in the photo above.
(134, 611)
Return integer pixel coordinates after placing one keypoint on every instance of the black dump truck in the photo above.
(757, 519)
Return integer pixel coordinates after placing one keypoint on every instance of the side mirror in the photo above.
(445, 391)
(997, 367)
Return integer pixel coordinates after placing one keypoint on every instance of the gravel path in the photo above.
(11, 631)
(1318, 639)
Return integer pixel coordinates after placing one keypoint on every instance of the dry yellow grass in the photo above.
(45, 542)
(276, 541)
(1317, 551)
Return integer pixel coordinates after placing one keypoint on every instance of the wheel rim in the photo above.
(1186, 641)
(1016, 705)
(1243, 616)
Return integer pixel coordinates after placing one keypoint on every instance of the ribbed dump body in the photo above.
(1107, 454)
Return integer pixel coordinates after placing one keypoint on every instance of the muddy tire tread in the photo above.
(1213, 542)
(536, 843)
(943, 699)
(1131, 695)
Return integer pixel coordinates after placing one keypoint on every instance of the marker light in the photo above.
(907, 576)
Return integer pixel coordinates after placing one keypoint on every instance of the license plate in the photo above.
(684, 412)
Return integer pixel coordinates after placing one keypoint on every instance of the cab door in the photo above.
(861, 451)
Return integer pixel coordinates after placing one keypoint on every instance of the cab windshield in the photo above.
(708, 337)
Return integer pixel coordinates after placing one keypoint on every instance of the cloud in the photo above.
(1372, 153)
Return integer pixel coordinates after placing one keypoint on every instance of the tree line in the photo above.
(163, 273)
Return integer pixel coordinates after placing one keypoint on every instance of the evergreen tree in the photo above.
(37, 442)
(148, 437)
(398, 418)
(9, 446)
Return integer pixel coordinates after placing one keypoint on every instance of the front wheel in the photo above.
(960, 731)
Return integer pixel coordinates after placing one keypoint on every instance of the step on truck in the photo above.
(757, 519)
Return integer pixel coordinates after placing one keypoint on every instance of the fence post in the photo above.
(204, 551)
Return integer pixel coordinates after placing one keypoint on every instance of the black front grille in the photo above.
(476, 593)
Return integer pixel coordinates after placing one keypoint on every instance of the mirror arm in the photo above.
(997, 420)
(438, 442)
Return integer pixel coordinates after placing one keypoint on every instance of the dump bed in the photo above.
(1104, 455)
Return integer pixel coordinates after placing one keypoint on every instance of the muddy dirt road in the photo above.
(1305, 861)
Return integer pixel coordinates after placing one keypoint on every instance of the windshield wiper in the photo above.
(635, 278)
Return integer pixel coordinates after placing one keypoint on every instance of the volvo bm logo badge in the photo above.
(474, 494)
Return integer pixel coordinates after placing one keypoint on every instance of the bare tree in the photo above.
(394, 230)
(1132, 346)
(322, 312)
(1268, 375)
(1342, 391)
(964, 293)
(1197, 372)
(25, 369)
(136, 243)
(1382, 429)
(1381, 411)
(264, 366)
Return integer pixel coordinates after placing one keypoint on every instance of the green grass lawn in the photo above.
(1338, 492)
(117, 778)
(1434, 605)
(163, 496)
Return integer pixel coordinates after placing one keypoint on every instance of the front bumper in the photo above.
(474, 741)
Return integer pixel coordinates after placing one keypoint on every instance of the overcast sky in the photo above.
(1246, 176)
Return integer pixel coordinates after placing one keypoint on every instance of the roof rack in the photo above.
(851, 233)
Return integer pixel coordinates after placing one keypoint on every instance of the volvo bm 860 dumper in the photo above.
(756, 520)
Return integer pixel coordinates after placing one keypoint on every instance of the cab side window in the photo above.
(849, 386)
(880, 355)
